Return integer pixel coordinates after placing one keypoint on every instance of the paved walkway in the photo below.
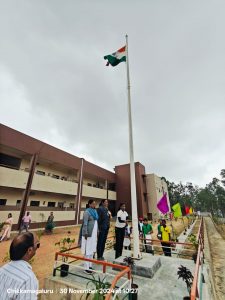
(164, 284)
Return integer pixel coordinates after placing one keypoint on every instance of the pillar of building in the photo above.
(26, 192)
(79, 192)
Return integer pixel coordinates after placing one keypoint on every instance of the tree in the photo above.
(211, 198)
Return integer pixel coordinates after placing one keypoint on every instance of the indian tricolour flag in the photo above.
(117, 57)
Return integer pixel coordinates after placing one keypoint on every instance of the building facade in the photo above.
(40, 178)
(156, 187)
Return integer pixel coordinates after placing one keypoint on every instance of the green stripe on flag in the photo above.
(113, 61)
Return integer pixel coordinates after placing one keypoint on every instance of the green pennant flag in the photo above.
(177, 210)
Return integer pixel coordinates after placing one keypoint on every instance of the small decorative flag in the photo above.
(117, 57)
(191, 211)
(177, 210)
(187, 210)
(163, 204)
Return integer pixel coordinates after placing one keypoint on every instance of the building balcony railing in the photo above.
(18, 179)
(52, 185)
(13, 178)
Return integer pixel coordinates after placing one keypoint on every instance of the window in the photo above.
(10, 161)
(60, 204)
(18, 202)
(34, 203)
(40, 172)
(112, 186)
(72, 205)
(51, 204)
(3, 201)
(55, 176)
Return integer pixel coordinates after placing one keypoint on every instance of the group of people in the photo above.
(25, 224)
(94, 231)
(93, 236)
(95, 227)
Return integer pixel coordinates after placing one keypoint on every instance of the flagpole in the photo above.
(136, 247)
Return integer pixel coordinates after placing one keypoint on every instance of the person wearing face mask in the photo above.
(121, 218)
(17, 274)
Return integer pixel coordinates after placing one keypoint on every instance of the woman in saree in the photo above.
(6, 230)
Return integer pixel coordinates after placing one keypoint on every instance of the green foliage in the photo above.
(65, 244)
(211, 198)
(100, 286)
(192, 239)
(186, 275)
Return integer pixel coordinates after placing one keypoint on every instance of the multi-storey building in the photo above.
(40, 178)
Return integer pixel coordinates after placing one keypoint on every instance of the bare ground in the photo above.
(217, 251)
(221, 229)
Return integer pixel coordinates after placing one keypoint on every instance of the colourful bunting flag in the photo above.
(177, 210)
(163, 204)
(187, 210)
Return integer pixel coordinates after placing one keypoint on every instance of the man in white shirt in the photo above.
(121, 218)
(17, 280)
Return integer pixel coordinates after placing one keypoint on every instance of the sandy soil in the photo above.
(44, 258)
(217, 250)
(221, 229)
(45, 255)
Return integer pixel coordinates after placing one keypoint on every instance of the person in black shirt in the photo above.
(103, 226)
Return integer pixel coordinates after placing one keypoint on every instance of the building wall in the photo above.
(155, 190)
(11, 195)
(123, 189)
(56, 179)
(48, 184)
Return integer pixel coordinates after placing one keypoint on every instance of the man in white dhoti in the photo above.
(89, 234)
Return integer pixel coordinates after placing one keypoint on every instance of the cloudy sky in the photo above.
(54, 84)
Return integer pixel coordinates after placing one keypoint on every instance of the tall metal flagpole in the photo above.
(136, 248)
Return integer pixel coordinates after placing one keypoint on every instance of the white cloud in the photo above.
(54, 84)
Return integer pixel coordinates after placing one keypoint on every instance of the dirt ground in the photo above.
(221, 229)
(217, 251)
(45, 255)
